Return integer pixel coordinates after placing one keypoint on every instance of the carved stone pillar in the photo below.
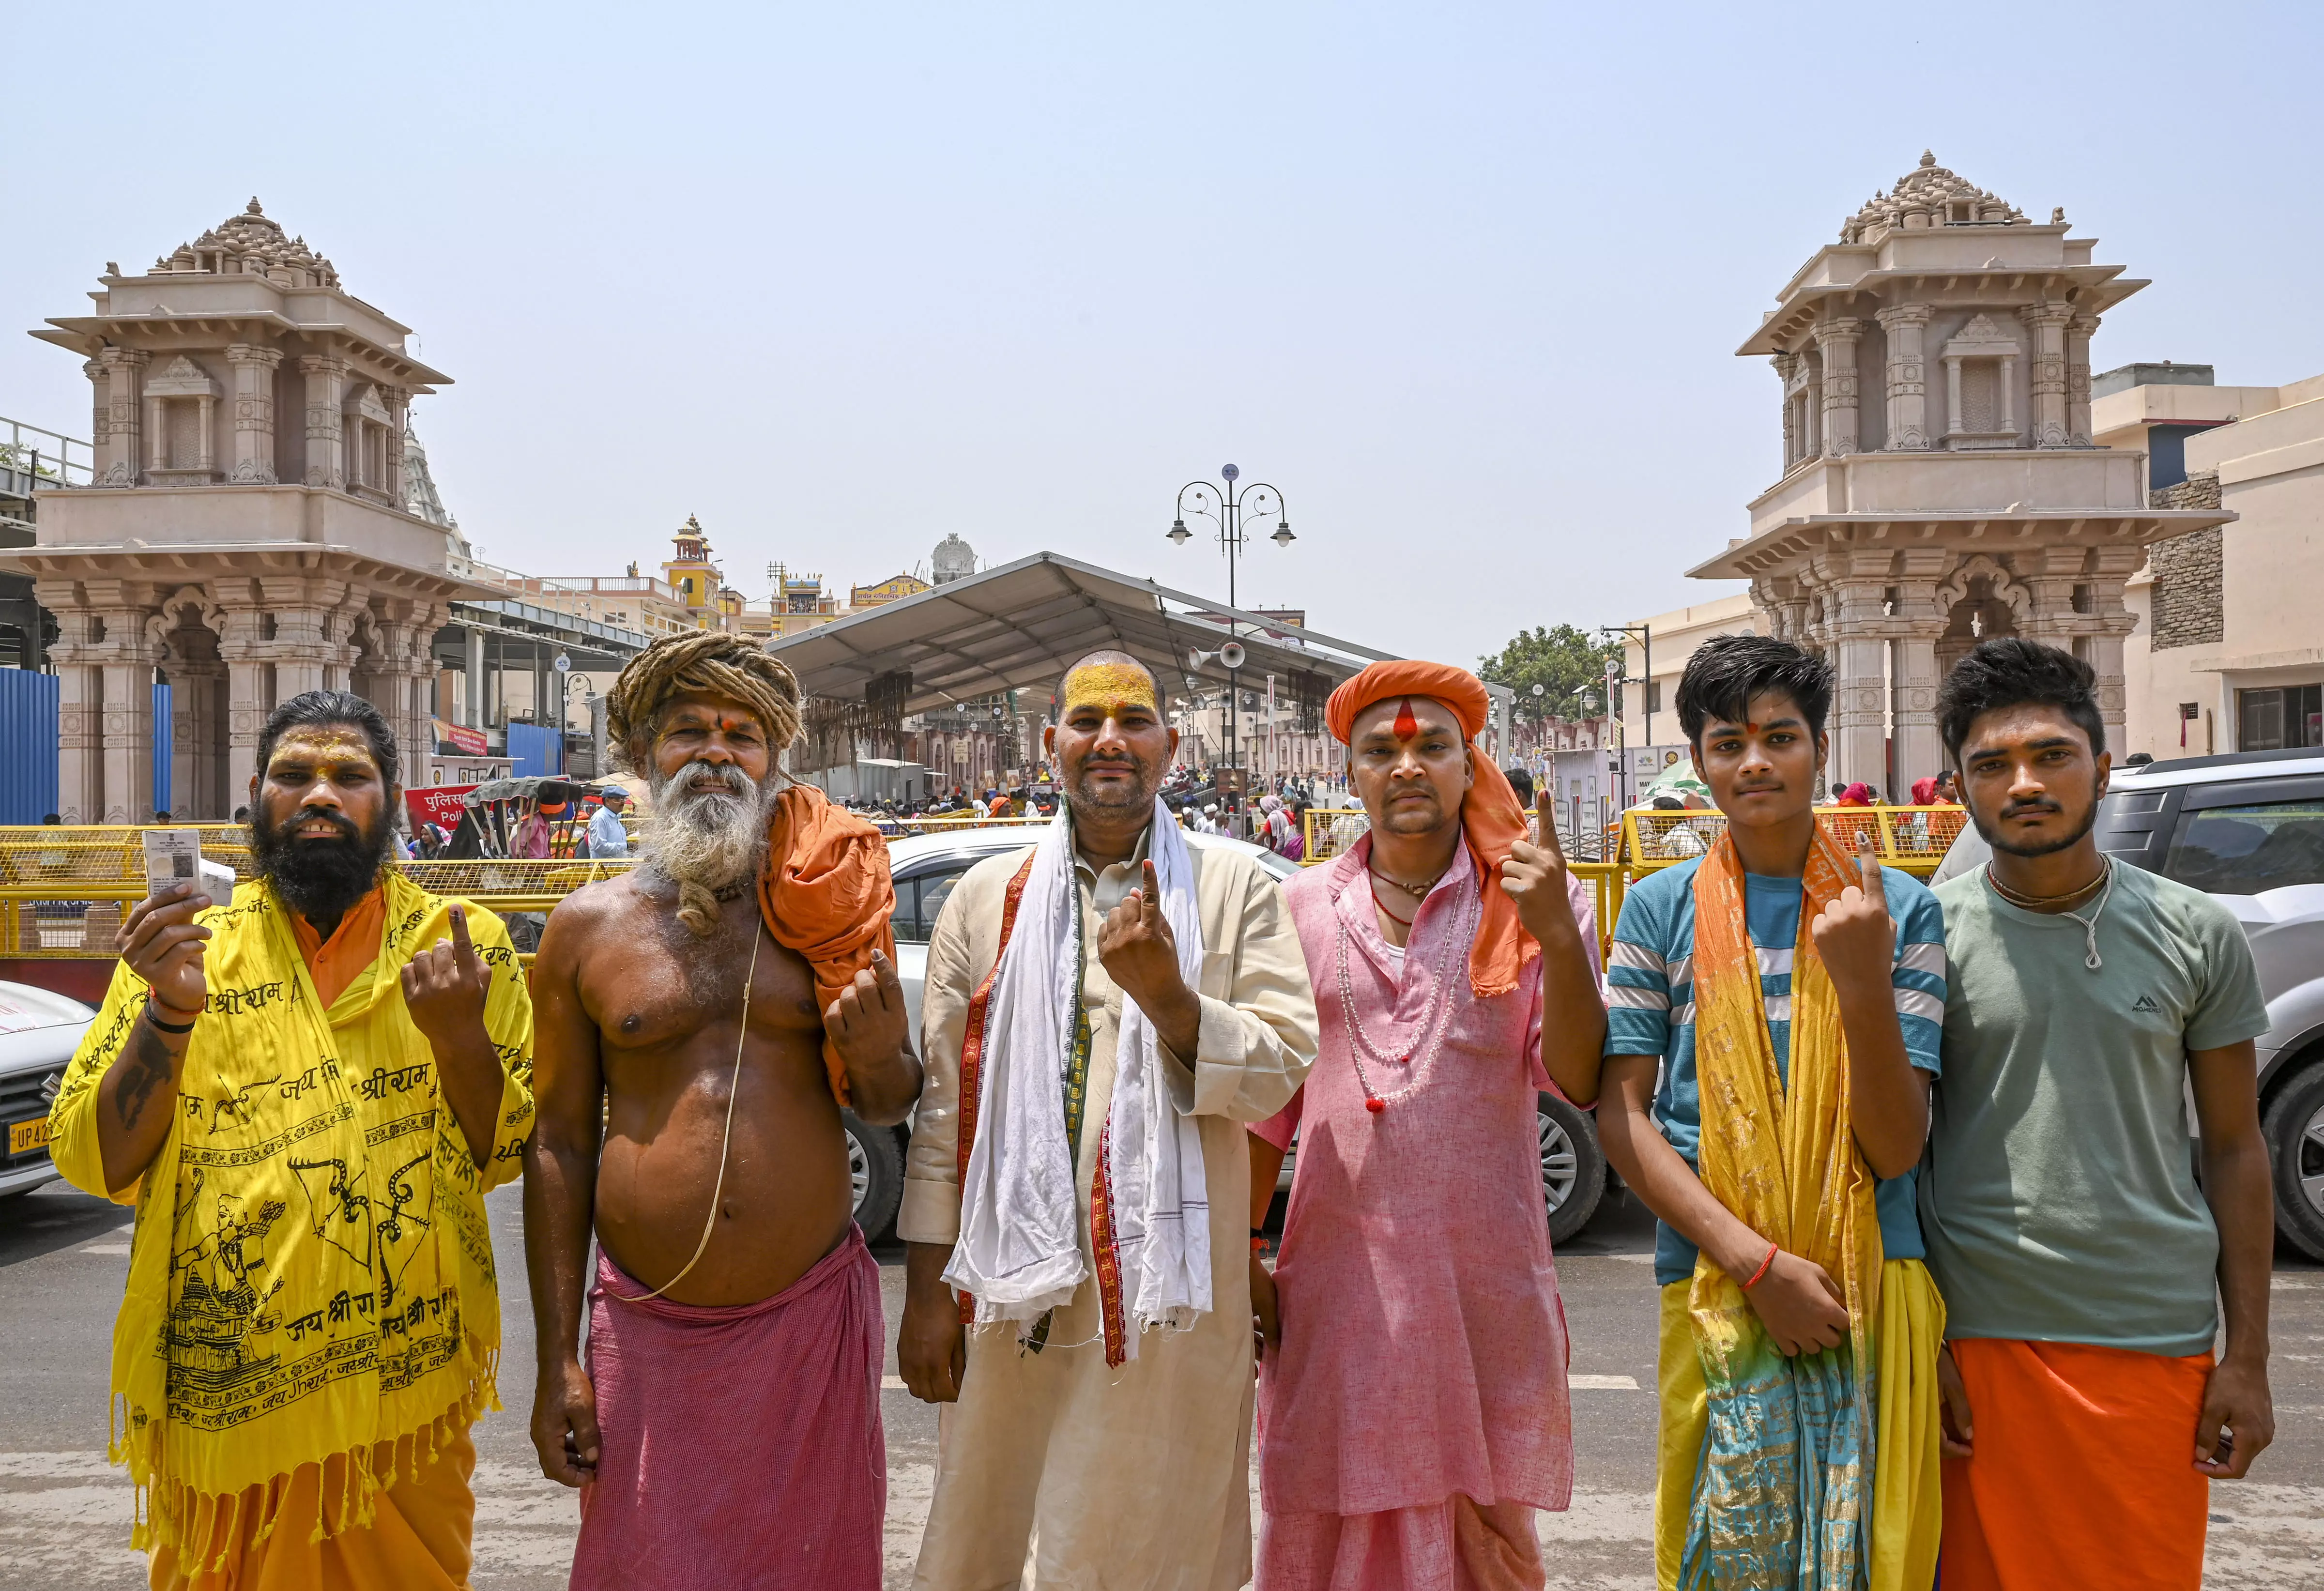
(325, 384)
(2047, 324)
(80, 703)
(249, 695)
(2079, 331)
(1836, 339)
(125, 719)
(253, 413)
(1907, 384)
(118, 463)
(1785, 363)
(397, 401)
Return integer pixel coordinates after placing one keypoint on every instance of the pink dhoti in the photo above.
(741, 1445)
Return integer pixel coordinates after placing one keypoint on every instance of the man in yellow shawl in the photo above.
(305, 1093)
(1773, 1025)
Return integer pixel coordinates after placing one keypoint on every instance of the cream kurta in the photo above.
(1134, 1477)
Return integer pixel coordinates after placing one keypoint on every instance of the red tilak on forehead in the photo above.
(1407, 726)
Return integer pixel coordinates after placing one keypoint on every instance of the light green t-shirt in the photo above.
(2058, 1200)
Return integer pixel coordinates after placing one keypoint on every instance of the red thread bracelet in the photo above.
(1773, 1249)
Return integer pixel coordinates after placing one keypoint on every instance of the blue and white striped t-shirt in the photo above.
(1650, 1000)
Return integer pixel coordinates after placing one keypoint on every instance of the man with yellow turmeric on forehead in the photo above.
(305, 1093)
(1102, 1014)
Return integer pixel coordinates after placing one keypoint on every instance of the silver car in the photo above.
(39, 1031)
(2249, 829)
(926, 869)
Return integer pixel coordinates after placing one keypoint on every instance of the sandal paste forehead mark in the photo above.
(324, 742)
(1109, 686)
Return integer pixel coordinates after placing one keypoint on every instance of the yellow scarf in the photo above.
(311, 1274)
(1786, 1162)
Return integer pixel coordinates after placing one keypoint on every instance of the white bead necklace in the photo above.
(1434, 1021)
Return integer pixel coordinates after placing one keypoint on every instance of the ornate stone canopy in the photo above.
(1919, 510)
(1926, 195)
(250, 534)
(251, 244)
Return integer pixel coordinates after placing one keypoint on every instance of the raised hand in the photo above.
(868, 1022)
(444, 989)
(1137, 948)
(161, 945)
(1535, 876)
(1854, 935)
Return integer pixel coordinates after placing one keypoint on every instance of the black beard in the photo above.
(319, 879)
(2047, 847)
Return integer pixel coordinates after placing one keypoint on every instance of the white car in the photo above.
(926, 866)
(39, 1031)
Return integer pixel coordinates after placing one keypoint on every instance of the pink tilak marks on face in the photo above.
(1405, 724)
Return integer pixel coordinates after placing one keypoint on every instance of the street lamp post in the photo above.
(1225, 510)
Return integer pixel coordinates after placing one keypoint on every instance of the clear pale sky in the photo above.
(1464, 281)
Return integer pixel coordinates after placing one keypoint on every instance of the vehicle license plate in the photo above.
(28, 1135)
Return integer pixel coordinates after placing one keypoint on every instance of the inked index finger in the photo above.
(1867, 862)
(462, 949)
(1151, 889)
(1544, 811)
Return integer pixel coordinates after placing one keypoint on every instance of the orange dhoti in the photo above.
(417, 1537)
(2084, 1470)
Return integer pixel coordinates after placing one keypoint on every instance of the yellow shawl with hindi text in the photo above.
(310, 1274)
(1783, 1495)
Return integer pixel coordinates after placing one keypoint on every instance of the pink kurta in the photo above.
(1424, 1353)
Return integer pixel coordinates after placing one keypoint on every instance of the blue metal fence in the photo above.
(28, 746)
(535, 750)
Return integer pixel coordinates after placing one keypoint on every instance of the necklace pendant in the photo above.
(1374, 1104)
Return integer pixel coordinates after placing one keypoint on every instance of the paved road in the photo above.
(64, 1516)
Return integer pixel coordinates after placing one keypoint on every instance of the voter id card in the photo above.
(174, 857)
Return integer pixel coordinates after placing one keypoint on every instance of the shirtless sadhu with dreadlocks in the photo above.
(700, 1024)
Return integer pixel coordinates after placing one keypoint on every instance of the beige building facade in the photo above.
(2229, 651)
(246, 536)
(1941, 478)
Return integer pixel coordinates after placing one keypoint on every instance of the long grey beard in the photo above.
(707, 833)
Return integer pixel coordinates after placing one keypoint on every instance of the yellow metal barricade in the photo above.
(1913, 839)
(64, 892)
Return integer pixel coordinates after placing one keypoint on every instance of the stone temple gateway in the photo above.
(1940, 484)
(247, 537)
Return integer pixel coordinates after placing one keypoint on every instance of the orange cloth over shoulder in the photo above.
(826, 893)
(1491, 819)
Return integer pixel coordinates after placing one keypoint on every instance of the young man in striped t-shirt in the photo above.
(1775, 1017)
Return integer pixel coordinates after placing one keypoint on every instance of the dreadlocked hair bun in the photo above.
(707, 662)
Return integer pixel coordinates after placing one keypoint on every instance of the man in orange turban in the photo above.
(1455, 983)
(728, 1410)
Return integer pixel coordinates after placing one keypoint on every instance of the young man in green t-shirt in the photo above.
(2081, 1265)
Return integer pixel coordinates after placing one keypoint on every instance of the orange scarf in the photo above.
(826, 893)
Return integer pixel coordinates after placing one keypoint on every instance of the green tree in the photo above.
(1563, 661)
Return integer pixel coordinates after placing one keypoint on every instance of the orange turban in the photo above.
(1491, 820)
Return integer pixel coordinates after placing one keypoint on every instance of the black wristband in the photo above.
(1258, 1232)
(178, 1029)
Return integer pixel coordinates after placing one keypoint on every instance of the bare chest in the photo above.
(652, 984)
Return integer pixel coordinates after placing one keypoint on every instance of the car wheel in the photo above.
(875, 1166)
(2295, 1142)
(1572, 1166)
